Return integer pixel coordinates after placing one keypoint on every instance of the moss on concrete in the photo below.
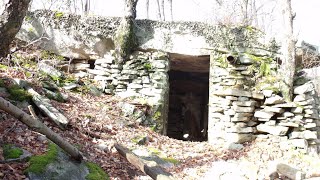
(39, 163)
(96, 172)
(11, 152)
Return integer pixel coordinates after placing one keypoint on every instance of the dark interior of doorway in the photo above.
(188, 101)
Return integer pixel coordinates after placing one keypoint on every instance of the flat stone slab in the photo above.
(274, 130)
(232, 92)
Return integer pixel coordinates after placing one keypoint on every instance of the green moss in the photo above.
(154, 151)
(18, 94)
(2, 84)
(10, 152)
(147, 66)
(3, 67)
(171, 160)
(39, 163)
(125, 39)
(96, 172)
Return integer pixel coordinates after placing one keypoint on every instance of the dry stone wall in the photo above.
(239, 111)
(143, 77)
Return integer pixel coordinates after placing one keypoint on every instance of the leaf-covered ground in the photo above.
(98, 120)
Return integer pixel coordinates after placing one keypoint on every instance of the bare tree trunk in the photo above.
(155, 172)
(288, 51)
(147, 8)
(159, 10)
(38, 126)
(162, 11)
(12, 13)
(125, 39)
(171, 13)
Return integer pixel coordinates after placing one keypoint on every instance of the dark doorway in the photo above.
(188, 99)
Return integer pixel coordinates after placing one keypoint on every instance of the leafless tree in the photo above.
(288, 51)
(12, 13)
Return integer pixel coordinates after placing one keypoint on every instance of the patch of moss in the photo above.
(39, 163)
(10, 152)
(18, 94)
(125, 39)
(3, 67)
(171, 160)
(96, 172)
(2, 83)
(154, 151)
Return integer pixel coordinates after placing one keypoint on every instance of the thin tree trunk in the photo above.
(288, 52)
(159, 11)
(162, 11)
(38, 126)
(155, 172)
(171, 13)
(147, 8)
(12, 13)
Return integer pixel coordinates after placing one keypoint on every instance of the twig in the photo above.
(33, 114)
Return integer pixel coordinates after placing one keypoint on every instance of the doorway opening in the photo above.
(188, 97)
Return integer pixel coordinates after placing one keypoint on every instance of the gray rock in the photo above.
(307, 134)
(70, 86)
(274, 100)
(297, 110)
(232, 92)
(301, 97)
(238, 138)
(240, 119)
(107, 60)
(286, 105)
(267, 93)
(288, 124)
(273, 109)
(303, 88)
(274, 130)
(310, 125)
(50, 70)
(127, 109)
(263, 114)
(256, 95)
(240, 109)
(239, 130)
(244, 103)
(63, 168)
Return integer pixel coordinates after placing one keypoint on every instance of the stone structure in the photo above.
(143, 76)
(244, 101)
(243, 106)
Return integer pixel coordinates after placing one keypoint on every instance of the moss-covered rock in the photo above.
(96, 172)
(18, 94)
(11, 152)
(39, 163)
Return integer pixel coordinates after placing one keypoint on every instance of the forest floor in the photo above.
(98, 120)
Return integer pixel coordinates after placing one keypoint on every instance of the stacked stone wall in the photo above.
(143, 78)
(239, 111)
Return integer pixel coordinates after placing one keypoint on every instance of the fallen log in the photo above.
(44, 105)
(38, 126)
(155, 172)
